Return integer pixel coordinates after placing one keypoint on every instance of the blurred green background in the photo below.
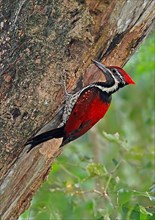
(108, 173)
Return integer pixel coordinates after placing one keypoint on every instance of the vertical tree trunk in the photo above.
(39, 41)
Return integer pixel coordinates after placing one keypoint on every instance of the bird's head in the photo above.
(120, 75)
(115, 76)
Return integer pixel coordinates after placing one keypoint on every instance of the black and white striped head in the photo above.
(115, 76)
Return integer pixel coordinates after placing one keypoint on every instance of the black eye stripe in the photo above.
(118, 74)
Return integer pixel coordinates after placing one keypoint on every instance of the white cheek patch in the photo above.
(109, 89)
(120, 76)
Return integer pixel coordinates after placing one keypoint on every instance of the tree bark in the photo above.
(39, 41)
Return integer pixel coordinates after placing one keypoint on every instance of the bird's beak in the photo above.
(101, 67)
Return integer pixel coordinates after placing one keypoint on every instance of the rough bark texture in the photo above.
(39, 40)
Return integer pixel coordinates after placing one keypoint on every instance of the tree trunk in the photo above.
(39, 41)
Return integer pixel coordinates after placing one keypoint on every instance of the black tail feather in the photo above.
(55, 133)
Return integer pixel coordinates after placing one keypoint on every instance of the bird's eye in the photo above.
(114, 71)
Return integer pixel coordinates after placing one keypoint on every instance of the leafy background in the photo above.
(108, 173)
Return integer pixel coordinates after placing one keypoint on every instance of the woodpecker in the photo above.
(86, 107)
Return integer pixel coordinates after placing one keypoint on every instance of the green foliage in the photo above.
(108, 173)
